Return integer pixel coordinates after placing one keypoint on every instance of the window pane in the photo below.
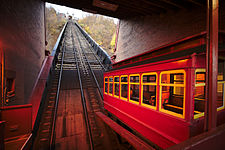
(173, 78)
(116, 79)
(149, 79)
(221, 83)
(134, 79)
(116, 92)
(220, 94)
(123, 79)
(134, 92)
(106, 87)
(149, 94)
(199, 105)
(110, 79)
(124, 89)
(106, 79)
(110, 88)
(200, 77)
(170, 101)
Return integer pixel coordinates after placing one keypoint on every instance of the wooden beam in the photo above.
(174, 4)
(136, 142)
(196, 3)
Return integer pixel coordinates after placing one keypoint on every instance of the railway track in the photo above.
(73, 98)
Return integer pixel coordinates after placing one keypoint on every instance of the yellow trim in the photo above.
(123, 98)
(134, 83)
(199, 70)
(114, 86)
(104, 85)
(199, 84)
(142, 84)
(222, 107)
(174, 106)
(199, 115)
(174, 85)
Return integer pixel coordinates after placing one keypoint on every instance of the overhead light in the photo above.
(105, 5)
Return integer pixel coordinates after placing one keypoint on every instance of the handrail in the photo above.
(52, 144)
(83, 97)
(100, 52)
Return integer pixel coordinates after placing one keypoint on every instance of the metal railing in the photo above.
(52, 136)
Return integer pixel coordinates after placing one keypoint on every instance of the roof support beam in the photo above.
(212, 64)
(196, 3)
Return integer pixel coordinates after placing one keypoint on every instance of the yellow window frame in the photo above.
(203, 84)
(222, 107)
(197, 85)
(114, 86)
(134, 83)
(174, 85)
(121, 83)
(109, 84)
(142, 85)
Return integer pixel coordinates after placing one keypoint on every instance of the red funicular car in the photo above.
(161, 93)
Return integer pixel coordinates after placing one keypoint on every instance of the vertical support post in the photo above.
(2, 58)
(212, 64)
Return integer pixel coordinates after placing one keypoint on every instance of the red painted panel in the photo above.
(162, 129)
(153, 67)
(18, 120)
(39, 87)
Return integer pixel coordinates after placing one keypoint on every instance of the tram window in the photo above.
(221, 85)
(110, 85)
(149, 89)
(116, 86)
(199, 101)
(172, 95)
(199, 96)
(106, 85)
(134, 88)
(124, 87)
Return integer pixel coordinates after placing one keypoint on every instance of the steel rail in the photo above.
(52, 136)
(99, 89)
(82, 96)
(91, 48)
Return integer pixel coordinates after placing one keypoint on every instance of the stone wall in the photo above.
(141, 34)
(22, 35)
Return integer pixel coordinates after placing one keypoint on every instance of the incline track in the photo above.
(69, 120)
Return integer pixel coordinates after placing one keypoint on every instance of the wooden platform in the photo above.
(70, 125)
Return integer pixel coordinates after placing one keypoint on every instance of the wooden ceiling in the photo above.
(123, 9)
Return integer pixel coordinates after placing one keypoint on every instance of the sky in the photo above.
(73, 12)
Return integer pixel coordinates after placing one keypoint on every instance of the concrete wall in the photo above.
(141, 34)
(22, 35)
